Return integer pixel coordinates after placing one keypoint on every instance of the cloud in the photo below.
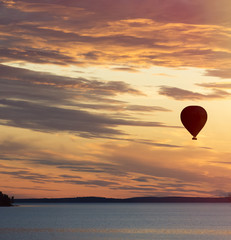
(153, 143)
(73, 168)
(163, 75)
(27, 175)
(134, 168)
(87, 166)
(126, 69)
(183, 95)
(140, 179)
(123, 36)
(38, 56)
(174, 33)
(91, 183)
(178, 10)
(33, 158)
(121, 107)
(215, 85)
(45, 102)
(141, 108)
(28, 152)
(42, 178)
(52, 119)
(221, 73)
(166, 189)
(38, 188)
(81, 85)
(19, 83)
(154, 164)
(187, 169)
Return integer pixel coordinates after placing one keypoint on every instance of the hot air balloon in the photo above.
(193, 119)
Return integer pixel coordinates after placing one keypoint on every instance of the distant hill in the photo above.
(127, 200)
(5, 201)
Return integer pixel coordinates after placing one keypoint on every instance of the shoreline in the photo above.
(126, 200)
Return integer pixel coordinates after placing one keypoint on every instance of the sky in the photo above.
(91, 94)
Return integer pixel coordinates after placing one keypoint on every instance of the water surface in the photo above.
(130, 221)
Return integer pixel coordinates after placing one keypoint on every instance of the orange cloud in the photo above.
(50, 103)
(131, 34)
(182, 94)
(134, 169)
(172, 34)
(221, 73)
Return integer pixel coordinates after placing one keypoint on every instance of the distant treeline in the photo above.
(127, 200)
(5, 200)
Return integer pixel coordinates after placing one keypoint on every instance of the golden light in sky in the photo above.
(91, 95)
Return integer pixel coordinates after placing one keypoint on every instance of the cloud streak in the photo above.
(215, 85)
(93, 132)
(51, 119)
(134, 168)
(221, 73)
(172, 34)
(184, 95)
(45, 102)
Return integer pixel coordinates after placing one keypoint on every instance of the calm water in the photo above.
(116, 222)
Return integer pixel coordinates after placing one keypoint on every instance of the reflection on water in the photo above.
(116, 222)
(138, 231)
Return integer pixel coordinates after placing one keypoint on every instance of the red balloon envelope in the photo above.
(193, 119)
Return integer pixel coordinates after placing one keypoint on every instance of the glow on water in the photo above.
(116, 222)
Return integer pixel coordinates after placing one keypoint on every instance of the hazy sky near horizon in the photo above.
(91, 94)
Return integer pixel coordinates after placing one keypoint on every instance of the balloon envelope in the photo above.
(193, 119)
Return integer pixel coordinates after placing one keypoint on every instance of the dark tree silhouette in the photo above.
(5, 200)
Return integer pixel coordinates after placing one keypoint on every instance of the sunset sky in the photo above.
(91, 94)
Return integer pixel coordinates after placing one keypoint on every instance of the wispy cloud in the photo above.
(46, 102)
(27, 175)
(181, 94)
(126, 69)
(51, 119)
(134, 168)
(123, 36)
(172, 34)
(221, 73)
(27, 78)
(216, 85)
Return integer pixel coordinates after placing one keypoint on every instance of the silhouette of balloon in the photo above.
(193, 119)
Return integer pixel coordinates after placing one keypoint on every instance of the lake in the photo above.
(138, 221)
